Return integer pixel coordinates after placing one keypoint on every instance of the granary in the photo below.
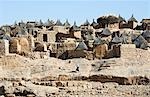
(24, 44)
(75, 31)
(4, 47)
(99, 48)
(14, 46)
(87, 35)
(116, 39)
(58, 23)
(74, 27)
(82, 46)
(19, 45)
(85, 25)
(105, 32)
(114, 52)
(132, 22)
(94, 24)
(122, 21)
(67, 24)
(100, 51)
(80, 51)
(97, 41)
(49, 23)
(58, 27)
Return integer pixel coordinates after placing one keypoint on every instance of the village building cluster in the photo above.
(103, 38)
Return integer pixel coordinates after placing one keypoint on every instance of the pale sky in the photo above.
(73, 10)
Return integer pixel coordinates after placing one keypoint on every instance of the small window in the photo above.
(45, 37)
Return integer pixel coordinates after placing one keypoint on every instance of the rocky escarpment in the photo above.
(99, 85)
(53, 77)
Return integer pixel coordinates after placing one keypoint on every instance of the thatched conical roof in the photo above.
(97, 41)
(58, 23)
(106, 32)
(86, 23)
(132, 19)
(74, 27)
(121, 19)
(49, 23)
(93, 23)
(116, 39)
(67, 24)
(82, 46)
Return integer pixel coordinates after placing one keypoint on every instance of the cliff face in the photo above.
(125, 76)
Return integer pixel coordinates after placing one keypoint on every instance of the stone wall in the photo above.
(39, 55)
(100, 51)
(114, 26)
(51, 36)
(30, 39)
(4, 47)
(19, 45)
(129, 51)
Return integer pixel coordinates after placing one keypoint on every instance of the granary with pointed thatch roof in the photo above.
(122, 22)
(94, 24)
(67, 25)
(75, 31)
(23, 44)
(116, 39)
(49, 23)
(59, 27)
(100, 51)
(85, 25)
(105, 34)
(132, 22)
(79, 51)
